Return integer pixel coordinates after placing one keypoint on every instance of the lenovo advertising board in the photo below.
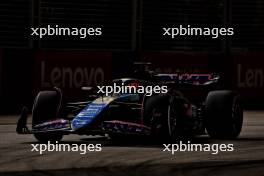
(71, 70)
(249, 76)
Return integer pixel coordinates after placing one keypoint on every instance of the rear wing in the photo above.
(188, 79)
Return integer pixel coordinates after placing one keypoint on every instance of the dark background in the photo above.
(132, 31)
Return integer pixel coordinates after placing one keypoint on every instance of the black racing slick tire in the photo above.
(155, 116)
(224, 114)
(46, 107)
(164, 113)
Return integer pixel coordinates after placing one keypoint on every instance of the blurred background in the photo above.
(132, 31)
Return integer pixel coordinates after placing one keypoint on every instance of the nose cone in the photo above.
(87, 115)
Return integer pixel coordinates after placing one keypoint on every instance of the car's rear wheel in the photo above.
(224, 114)
(46, 107)
(165, 114)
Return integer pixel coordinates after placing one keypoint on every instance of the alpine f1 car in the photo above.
(192, 106)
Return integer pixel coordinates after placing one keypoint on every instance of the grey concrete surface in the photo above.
(134, 157)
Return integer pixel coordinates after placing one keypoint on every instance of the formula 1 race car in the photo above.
(192, 105)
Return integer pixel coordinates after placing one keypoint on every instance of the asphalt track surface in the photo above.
(135, 158)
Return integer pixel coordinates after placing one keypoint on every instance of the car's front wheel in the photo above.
(46, 107)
